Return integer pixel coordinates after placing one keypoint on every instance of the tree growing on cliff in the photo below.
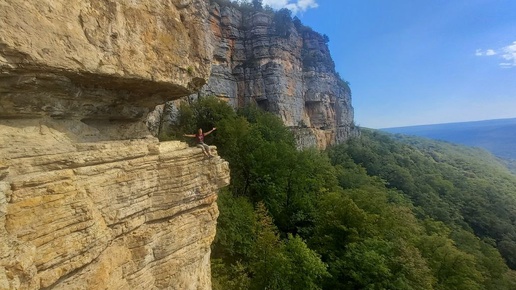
(282, 21)
(257, 4)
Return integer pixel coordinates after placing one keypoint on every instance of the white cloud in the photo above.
(294, 5)
(508, 53)
(276, 4)
(490, 52)
(305, 4)
(487, 52)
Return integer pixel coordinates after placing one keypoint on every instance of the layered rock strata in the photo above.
(283, 67)
(88, 198)
(133, 214)
(100, 59)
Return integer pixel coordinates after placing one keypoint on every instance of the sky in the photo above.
(415, 62)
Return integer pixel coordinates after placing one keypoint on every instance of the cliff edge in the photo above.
(269, 59)
(88, 198)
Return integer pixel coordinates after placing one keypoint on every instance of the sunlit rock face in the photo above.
(89, 199)
(287, 70)
(129, 214)
(100, 59)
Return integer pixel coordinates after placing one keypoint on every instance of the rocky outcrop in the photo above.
(88, 198)
(134, 214)
(100, 59)
(282, 66)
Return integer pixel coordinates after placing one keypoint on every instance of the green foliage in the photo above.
(224, 3)
(342, 82)
(278, 264)
(236, 224)
(245, 6)
(205, 113)
(229, 277)
(379, 264)
(463, 187)
(453, 269)
(282, 22)
(257, 4)
(380, 251)
(268, 262)
(190, 70)
(379, 212)
(307, 269)
(301, 28)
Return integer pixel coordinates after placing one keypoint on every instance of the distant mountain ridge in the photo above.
(497, 136)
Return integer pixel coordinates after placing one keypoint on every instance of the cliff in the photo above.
(133, 214)
(88, 198)
(282, 66)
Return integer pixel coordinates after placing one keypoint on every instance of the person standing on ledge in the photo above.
(200, 141)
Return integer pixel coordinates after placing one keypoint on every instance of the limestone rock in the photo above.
(88, 198)
(133, 214)
(289, 73)
(54, 55)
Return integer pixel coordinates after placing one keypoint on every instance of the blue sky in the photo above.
(414, 62)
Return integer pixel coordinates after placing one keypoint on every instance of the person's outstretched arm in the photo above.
(189, 135)
(209, 132)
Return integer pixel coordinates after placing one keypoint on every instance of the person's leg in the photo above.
(207, 148)
(201, 145)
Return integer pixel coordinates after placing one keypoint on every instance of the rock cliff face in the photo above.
(88, 198)
(100, 59)
(134, 214)
(285, 68)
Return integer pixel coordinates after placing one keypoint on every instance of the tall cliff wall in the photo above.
(284, 67)
(88, 198)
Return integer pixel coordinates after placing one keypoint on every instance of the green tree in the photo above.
(257, 4)
(236, 226)
(379, 212)
(229, 277)
(268, 264)
(282, 22)
(306, 267)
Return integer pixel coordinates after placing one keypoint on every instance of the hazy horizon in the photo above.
(446, 123)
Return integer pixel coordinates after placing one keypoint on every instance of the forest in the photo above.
(382, 211)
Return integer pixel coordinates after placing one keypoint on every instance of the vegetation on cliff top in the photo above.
(284, 25)
(379, 212)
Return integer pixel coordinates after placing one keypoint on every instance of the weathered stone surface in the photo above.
(290, 73)
(54, 56)
(88, 198)
(134, 214)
